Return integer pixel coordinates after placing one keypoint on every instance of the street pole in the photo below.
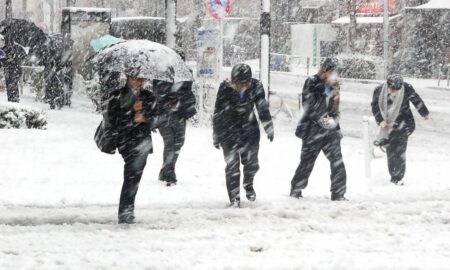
(386, 38)
(8, 9)
(265, 23)
(171, 26)
(352, 27)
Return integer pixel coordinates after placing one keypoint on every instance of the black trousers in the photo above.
(396, 155)
(135, 160)
(234, 155)
(173, 135)
(12, 77)
(330, 144)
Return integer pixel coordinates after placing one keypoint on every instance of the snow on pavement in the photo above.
(59, 196)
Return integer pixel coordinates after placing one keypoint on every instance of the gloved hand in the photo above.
(270, 137)
(217, 145)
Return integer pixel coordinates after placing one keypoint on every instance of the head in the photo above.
(135, 83)
(329, 70)
(241, 77)
(394, 82)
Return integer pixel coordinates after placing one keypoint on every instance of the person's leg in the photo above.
(232, 172)
(310, 152)
(249, 157)
(168, 137)
(179, 133)
(332, 151)
(135, 161)
(12, 77)
(396, 155)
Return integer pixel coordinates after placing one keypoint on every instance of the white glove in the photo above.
(328, 123)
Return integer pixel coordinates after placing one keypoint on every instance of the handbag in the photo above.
(106, 138)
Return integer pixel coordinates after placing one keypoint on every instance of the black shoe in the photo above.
(296, 194)
(235, 204)
(250, 193)
(338, 197)
(171, 183)
(398, 182)
(162, 177)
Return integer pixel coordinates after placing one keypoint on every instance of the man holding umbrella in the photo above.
(131, 114)
(236, 129)
(132, 111)
(21, 38)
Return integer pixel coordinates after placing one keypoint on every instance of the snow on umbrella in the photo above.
(23, 33)
(144, 59)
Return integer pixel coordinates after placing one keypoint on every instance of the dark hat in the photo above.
(395, 81)
(241, 73)
(329, 64)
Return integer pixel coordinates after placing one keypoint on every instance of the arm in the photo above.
(187, 100)
(151, 112)
(218, 114)
(310, 101)
(375, 106)
(262, 106)
(111, 115)
(418, 102)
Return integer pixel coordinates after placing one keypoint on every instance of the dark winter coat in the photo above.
(15, 55)
(314, 103)
(405, 120)
(175, 99)
(235, 121)
(120, 117)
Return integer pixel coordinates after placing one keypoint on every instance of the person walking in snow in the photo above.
(132, 113)
(391, 109)
(320, 131)
(236, 129)
(177, 104)
(11, 60)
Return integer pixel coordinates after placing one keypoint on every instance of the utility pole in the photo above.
(265, 23)
(352, 27)
(8, 9)
(386, 38)
(171, 25)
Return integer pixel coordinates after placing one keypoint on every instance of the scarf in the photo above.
(389, 113)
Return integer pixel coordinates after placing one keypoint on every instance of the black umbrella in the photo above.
(22, 32)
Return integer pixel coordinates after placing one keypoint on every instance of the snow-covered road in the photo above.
(59, 195)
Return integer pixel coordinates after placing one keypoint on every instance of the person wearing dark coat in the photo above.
(132, 113)
(53, 77)
(177, 104)
(392, 112)
(236, 129)
(11, 62)
(320, 131)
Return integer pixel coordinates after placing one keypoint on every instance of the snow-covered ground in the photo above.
(59, 196)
